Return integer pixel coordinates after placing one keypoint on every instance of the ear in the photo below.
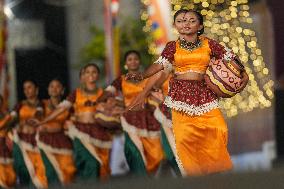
(200, 27)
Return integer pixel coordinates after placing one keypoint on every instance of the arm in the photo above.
(156, 80)
(164, 62)
(63, 106)
(111, 90)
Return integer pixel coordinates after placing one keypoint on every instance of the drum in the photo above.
(108, 114)
(107, 120)
(224, 77)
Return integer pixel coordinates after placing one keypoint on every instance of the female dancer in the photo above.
(56, 147)
(7, 173)
(199, 128)
(142, 129)
(28, 161)
(91, 142)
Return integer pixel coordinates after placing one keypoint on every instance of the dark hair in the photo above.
(81, 72)
(31, 81)
(1, 98)
(90, 65)
(180, 11)
(197, 14)
(200, 19)
(58, 80)
(131, 52)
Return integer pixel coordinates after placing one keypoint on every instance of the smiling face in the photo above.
(91, 74)
(132, 62)
(187, 23)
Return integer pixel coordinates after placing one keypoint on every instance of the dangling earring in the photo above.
(199, 32)
(125, 67)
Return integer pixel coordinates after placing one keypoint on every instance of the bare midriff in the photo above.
(85, 117)
(27, 129)
(190, 76)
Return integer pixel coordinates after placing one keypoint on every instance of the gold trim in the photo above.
(140, 132)
(107, 118)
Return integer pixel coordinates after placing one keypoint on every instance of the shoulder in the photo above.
(171, 44)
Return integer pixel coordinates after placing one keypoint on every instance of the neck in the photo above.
(55, 100)
(32, 100)
(190, 37)
(133, 71)
(90, 87)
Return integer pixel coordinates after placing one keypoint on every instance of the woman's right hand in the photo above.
(138, 103)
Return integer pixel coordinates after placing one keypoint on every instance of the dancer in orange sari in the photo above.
(143, 148)
(198, 125)
(91, 141)
(56, 147)
(28, 162)
(7, 173)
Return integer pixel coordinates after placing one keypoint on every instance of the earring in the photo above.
(199, 32)
(125, 67)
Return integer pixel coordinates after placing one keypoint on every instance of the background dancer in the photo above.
(143, 148)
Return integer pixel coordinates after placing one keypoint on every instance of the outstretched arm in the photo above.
(164, 62)
(155, 81)
(63, 106)
(153, 69)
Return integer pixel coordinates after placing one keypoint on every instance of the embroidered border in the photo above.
(6, 161)
(74, 132)
(51, 149)
(191, 109)
(188, 71)
(164, 121)
(141, 132)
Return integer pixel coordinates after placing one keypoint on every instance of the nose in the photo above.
(186, 22)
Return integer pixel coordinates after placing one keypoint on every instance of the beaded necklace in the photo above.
(190, 46)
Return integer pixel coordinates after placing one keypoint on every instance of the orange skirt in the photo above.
(201, 143)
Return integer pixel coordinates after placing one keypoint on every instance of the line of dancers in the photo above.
(165, 114)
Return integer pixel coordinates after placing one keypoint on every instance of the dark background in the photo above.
(47, 63)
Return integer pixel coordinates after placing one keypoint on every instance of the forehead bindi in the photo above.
(190, 16)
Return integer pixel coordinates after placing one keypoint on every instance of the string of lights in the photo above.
(229, 22)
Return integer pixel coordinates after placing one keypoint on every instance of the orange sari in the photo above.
(142, 123)
(57, 147)
(25, 145)
(199, 127)
(7, 173)
(92, 137)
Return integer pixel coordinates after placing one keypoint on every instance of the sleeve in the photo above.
(71, 98)
(15, 111)
(115, 86)
(220, 52)
(167, 57)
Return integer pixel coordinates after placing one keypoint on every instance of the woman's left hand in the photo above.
(244, 81)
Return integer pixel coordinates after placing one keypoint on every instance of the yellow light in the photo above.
(225, 25)
(205, 4)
